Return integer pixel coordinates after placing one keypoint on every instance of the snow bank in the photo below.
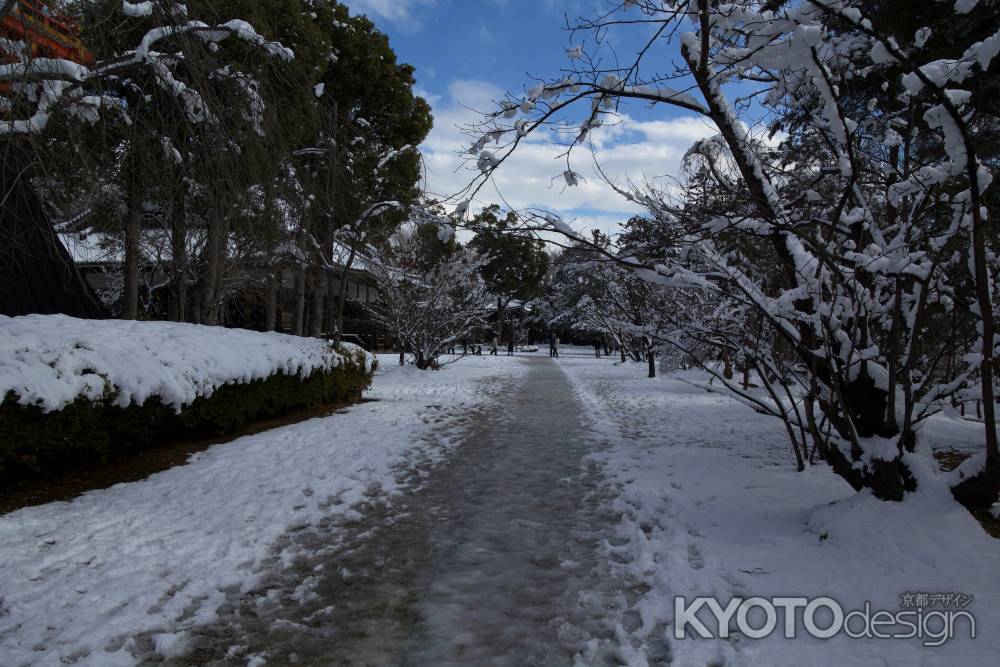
(120, 573)
(52, 360)
(711, 505)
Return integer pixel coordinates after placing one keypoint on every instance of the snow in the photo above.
(52, 91)
(703, 495)
(44, 67)
(137, 9)
(123, 572)
(246, 32)
(711, 505)
(52, 360)
(90, 248)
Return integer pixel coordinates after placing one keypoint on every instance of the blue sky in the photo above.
(449, 40)
(469, 52)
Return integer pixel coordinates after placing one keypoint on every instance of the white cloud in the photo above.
(431, 98)
(631, 149)
(397, 11)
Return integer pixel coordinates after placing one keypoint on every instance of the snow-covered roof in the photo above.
(90, 248)
(95, 248)
(362, 260)
(99, 248)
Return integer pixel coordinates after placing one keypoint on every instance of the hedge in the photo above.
(32, 440)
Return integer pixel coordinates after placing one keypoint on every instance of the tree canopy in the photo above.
(515, 263)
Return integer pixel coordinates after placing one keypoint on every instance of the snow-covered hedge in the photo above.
(83, 386)
(52, 360)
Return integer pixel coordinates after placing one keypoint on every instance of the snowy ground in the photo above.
(470, 503)
(126, 570)
(711, 505)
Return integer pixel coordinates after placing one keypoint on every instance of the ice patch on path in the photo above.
(130, 568)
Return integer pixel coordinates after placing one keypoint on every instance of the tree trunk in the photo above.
(270, 303)
(859, 413)
(332, 307)
(316, 309)
(196, 301)
(330, 322)
(982, 490)
(178, 251)
(500, 321)
(651, 360)
(298, 323)
(214, 264)
(130, 299)
(342, 296)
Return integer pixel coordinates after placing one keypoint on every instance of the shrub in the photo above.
(32, 440)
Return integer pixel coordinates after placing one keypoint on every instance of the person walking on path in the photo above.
(554, 346)
(510, 347)
(597, 349)
(493, 346)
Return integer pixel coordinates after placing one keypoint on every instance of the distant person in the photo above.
(555, 346)
(494, 344)
(510, 348)
(597, 349)
(465, 346)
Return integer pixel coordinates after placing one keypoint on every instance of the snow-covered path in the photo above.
(125, 573)
(496, 557)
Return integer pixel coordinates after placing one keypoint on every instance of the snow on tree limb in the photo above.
(844, 242)
(63, 83)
